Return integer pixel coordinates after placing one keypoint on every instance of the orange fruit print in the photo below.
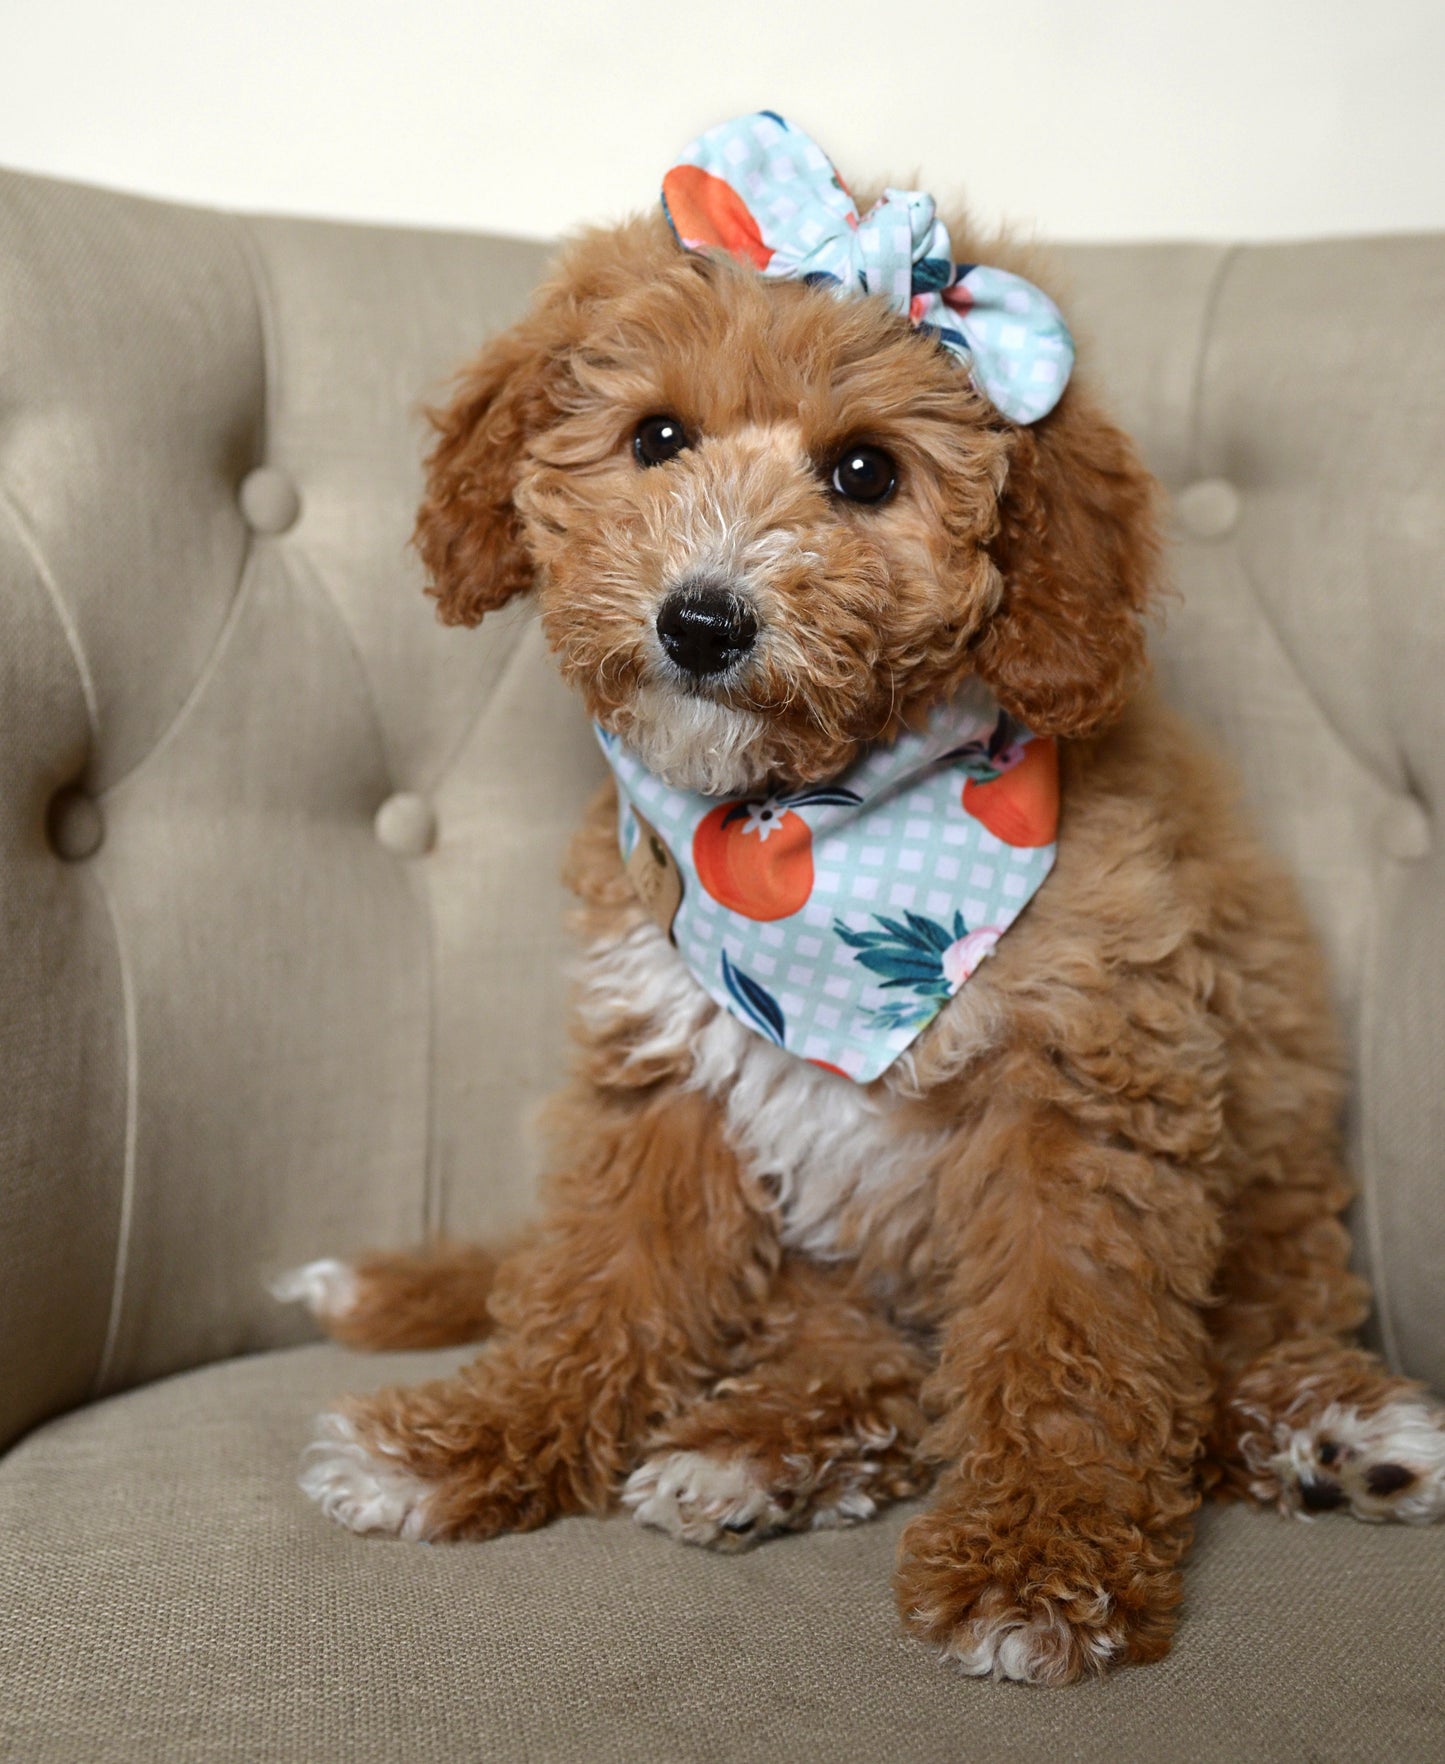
(706, 211)
(756, 857)
(1021, 805)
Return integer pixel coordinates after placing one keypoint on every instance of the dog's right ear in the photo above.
(467, 529)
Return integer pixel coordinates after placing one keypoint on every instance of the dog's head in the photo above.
(765, 526)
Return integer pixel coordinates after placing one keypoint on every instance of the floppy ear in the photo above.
(1078, 549)
(467, 529)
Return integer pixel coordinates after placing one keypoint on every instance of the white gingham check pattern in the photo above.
(907, 854)
(1008, 333)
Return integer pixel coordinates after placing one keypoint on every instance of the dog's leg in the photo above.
(1073, 1393)
(642, 1285)
(822, 1431)
(1306, 1421)
(436, 1297)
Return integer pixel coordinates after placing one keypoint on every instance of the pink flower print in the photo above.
(961, 958)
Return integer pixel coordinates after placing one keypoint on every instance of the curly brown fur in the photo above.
(1099, 1264)
(826, 1421)
(395, 1302)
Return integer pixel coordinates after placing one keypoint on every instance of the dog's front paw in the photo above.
(1044, 1607)
(699, 1498)
(361, 1483)
(448, 1460)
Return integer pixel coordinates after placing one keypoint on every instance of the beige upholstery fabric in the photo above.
(183, 1601)
(281, 973)
(244, 1029)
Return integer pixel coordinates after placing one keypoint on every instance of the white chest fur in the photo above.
(825, 1146)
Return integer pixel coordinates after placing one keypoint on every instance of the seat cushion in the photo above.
(166, 1592)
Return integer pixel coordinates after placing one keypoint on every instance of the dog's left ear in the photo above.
(1078, 550)
(468, 530)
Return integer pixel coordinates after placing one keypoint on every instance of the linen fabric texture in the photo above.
(176, 1599)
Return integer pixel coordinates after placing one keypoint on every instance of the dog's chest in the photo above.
(840, 1160)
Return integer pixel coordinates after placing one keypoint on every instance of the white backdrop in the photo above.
(1083, 118)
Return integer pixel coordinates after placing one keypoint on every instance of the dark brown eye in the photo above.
(658, 439)
(864, 474)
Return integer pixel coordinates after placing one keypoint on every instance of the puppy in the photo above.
(843, 561)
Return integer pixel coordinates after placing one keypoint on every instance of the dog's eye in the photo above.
(865, 474)
(658, 439)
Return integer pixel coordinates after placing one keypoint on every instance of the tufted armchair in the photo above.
(281, 974)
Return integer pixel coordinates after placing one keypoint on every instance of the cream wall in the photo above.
(1123, 118)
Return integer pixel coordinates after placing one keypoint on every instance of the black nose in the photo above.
(705, 628)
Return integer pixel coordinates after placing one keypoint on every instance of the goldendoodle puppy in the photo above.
(956, 1096)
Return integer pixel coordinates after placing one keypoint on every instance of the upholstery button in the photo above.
(1404, 831)
(74, 825)
(406, 825)
(1209, 508)
(269, 500)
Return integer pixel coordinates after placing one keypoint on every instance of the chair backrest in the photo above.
(281, 955)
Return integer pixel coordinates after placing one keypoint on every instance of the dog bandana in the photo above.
(765, 192)
(838, 920)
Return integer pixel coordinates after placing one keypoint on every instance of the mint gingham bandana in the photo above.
(762, 190)
(838, 921)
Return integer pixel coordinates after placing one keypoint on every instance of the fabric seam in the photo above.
(62, 612)
(1367, 1184)
(1208, 313)
(121, 1275)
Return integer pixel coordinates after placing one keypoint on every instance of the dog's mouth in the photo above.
(688, 719)
(719, 690)
(694, 740)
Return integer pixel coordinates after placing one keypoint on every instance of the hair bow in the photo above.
(764, 191)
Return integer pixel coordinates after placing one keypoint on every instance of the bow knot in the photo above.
(764, 191)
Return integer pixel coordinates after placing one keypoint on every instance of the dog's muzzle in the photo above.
(704, 628)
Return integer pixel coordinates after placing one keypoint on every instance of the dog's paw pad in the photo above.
(327, 1288)
(360, 1485)
(702, 1499)
(1385, 1465)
